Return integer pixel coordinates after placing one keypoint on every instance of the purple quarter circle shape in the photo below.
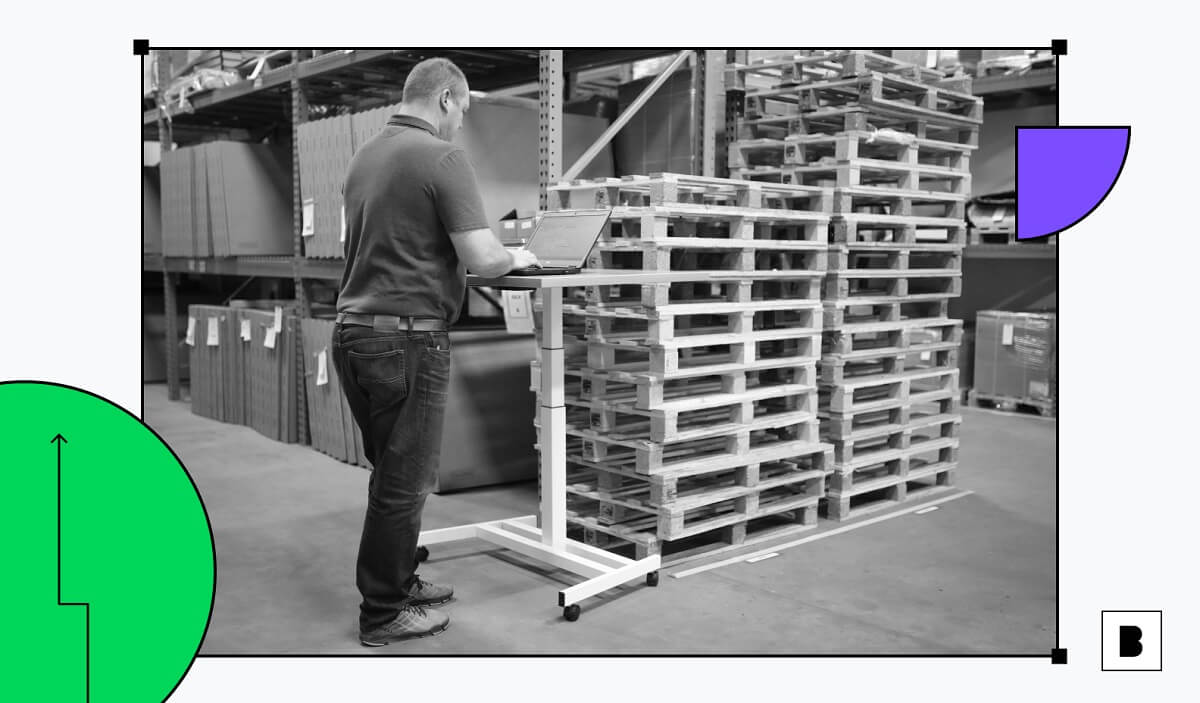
(1064, 173)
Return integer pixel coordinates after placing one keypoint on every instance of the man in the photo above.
(414, 217)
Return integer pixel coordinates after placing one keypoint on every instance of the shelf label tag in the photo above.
(269, 342)
(245, 330)
(1006, 335)
(214, 332)
(307, 211)
(278, 326)
(191, 332)
(322, 370)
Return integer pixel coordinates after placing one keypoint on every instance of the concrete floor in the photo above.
(975, 576)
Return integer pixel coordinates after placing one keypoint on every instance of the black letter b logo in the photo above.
(1131, 641)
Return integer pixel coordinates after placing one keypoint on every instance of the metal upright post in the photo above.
(299, 113)
(713, 71)
(696, 118)
(169, 299)
(550, 120)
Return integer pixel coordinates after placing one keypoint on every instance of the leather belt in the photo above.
(392, 323)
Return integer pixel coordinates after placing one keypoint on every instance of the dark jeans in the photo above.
(395, 383)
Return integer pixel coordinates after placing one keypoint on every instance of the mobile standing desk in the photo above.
(549, 543)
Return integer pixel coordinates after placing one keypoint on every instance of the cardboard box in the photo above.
(152, 241)
(1016, 356)
(226, 199)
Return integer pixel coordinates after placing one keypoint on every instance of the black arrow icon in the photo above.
(58, 442)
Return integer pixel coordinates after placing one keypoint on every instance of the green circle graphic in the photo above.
(110, 568)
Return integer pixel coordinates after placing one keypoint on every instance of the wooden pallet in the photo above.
(887, 491)
(836, 426)
(606, 363)
(684, 506)
(835, 371)
(674, 188)
(677, 355)
(865, 393)
(869, 283)
(851, 119)
(1044, 407)
(632, 416)
(848, 258)
(639, 544)
(707, 254)
(753, 289)
(695, 456)
(695, 328)
(881, 93)
(813, 65)
(846, 314)
(888, 145)
(870, 340)
(660, 222)
(866, 173)
(874, 228)
(867, 445)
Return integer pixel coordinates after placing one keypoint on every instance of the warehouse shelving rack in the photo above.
(279, 98)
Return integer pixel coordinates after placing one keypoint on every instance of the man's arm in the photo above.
(485, 256)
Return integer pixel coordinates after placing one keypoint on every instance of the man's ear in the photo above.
(445, 100)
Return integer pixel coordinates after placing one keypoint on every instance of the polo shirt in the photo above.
(406, 190)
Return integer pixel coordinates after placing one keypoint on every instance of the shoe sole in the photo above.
(418, 636)
(433, 602)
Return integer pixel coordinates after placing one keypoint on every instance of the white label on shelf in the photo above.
(322, 371)
(342, 236)
(278, 326)
(1006, 335)
(925, 356)
(245, 330)
(306, 228)
(527, 224)
(518, 318)
(191, 332)
(214, 332)
(508, 224)
(999, 214)
(269, 342)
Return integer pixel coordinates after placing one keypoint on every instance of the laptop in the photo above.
(562, 241)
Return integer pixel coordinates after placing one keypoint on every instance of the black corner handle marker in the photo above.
(141, 47)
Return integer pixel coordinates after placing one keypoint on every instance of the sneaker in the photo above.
(412, 622)
(425, 593)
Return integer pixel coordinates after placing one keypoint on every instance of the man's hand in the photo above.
(522, 258)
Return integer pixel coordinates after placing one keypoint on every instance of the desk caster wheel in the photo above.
(571, 613)
(652, 578)
(422, 554)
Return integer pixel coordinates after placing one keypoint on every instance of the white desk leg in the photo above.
(553, 420)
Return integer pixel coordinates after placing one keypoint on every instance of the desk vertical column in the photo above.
(552, 416)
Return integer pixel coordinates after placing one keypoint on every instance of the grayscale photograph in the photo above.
(607, 352)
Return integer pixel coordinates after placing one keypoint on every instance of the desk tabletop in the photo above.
(603, 277)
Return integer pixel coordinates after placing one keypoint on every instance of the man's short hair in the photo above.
(429, 78)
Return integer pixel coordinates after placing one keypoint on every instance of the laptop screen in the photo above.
(566, 238)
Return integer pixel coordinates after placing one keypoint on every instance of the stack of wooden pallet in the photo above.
(894, 142)
(692, 407)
